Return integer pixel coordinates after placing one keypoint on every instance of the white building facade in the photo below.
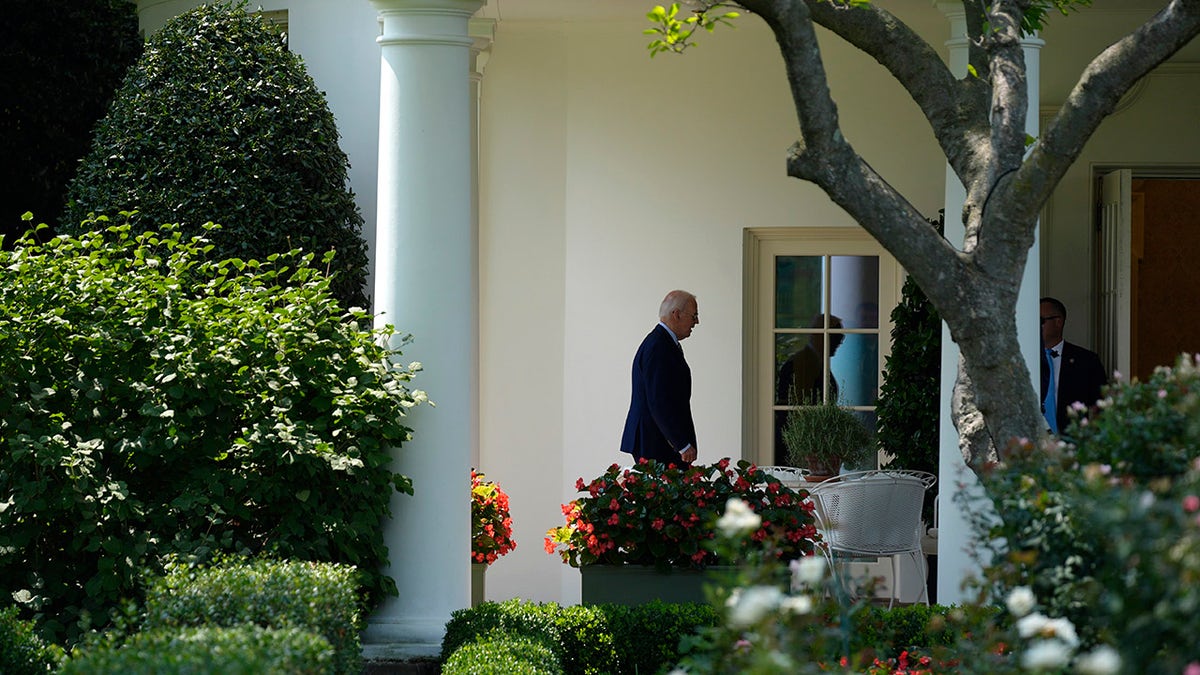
(533, 184)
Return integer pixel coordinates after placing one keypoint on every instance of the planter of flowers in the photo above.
(491, 530)
(644, 533)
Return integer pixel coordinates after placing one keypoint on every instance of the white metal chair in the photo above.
(790, 476)
(874, 514)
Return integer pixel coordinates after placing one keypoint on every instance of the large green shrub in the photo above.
(239, 650)
(317, 597)
(1035, 535)
(158, 400)
(219, 121)
(60, 63)
(22, 652)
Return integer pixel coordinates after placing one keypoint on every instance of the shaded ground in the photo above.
(411, 667)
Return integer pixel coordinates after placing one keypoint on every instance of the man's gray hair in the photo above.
(675, 300)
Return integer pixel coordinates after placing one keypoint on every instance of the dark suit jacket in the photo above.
(1080, 378)
(659, 425)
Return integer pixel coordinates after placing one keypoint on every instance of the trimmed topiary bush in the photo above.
(157, 400)
(241, 650)
(503, 654)
(22, 652)
(910, 393)
(218, 121)
(513, 616)
(317, 597)
(60, 63)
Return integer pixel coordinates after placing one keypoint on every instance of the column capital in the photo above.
(467, 7)
(482, 33)
(431, 22)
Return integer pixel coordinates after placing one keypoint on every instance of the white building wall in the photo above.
(610, 178)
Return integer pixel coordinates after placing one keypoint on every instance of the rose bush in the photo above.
(664, 516)
(1105, 531)
(491, 524)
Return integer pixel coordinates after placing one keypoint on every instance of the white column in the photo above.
(954, 532)
(425, 284)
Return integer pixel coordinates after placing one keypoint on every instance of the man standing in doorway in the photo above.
(659, 425)
(1070, 373)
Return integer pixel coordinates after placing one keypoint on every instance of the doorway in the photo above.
(1149, 242)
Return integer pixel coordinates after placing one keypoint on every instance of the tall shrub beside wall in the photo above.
(219, 121)
(157, 400)
(911, 390)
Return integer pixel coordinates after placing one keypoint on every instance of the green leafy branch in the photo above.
(674, 34)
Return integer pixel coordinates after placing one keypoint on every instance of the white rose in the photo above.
(753, 604)
(738, 519)
(1064, 630)
(798, 604)
(807, 572)
(1032, 624)
(1021, 601)
(1102, 660)
(1046, 655)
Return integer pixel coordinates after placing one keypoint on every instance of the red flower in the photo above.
(491, 523)
(656, 514)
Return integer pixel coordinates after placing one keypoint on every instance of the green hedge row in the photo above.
(584, 639)
(240, 616)
(240, 650)
(518, 636)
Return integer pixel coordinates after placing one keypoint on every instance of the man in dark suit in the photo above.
(659, 425)
(1077, 373)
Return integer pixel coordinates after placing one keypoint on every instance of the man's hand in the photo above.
(689, 455)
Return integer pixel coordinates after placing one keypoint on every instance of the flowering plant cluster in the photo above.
(661, 515)
(1133, 474)
(1144, 430)
(805, 622)
(491, 524)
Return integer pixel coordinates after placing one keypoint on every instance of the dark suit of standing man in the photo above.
(659, 425)
(1078, 372)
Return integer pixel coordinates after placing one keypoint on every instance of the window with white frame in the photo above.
(817, 329)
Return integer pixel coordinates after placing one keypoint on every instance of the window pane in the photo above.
(801, 368)
(855, 367)
(854, 289)
(799, 285)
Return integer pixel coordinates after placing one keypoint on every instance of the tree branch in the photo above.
(1105, 80)
(956, 109)
(824, 157)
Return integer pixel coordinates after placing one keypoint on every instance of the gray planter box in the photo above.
(639, 584)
